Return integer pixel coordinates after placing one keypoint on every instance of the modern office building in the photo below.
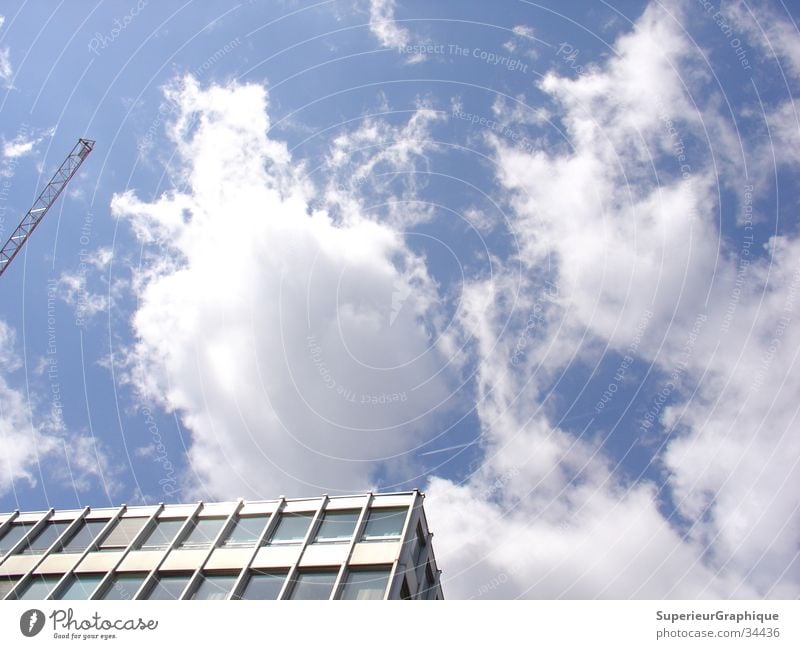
(370, 546)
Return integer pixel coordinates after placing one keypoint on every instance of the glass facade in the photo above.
(163, 534)
(39, 542)
(246, 531)
(14, 534)
(83, 537)
(264, 585)
(365, 584)
(310, 584)
(367, 546)
(124, 585)
(337, 526)
(291, 528)
(80, 587)
(214, 587)
(168, 587)
(122, 534)
(6, 584)
(203, 533)
(38, 587)
(385, 523)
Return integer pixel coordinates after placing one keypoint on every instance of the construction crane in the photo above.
(45, 201)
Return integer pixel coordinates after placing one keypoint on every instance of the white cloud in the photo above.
(34, 441)
(383, 26)
(21, 145)
(548, 510)
(284, 357)
(6, 71)
(74, 291)
(775, 35)
(383, 164)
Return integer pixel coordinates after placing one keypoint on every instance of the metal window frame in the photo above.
(372, 567)
(241, 583)
(197, 575)
(288, 585)
(104, 585)
(149, 581)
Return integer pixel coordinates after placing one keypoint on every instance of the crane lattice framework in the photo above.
(45, 201)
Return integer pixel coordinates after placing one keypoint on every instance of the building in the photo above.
(371, 546)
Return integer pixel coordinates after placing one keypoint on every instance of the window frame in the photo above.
(355, 570)
(355, 513)
(83, 525)
(226, 543)
(388, 537)
(271, 540)
(142, 543)
(113, 581)
(184, 544)
(304, 572)
(263, 572)
(155, 581)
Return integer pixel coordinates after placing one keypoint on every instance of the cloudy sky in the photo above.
(542, 264)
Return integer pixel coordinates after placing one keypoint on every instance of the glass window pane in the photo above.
(168, 587)
(39, 587)
(337, 526)
(84, 537)
(81, 587)
(203, 533)
(365, 584)
(163, 534)
(13, 536)
(313, 585)
(6, 584)
(385, 522)
(45, 538)
(428, 590)
(123, 532)
(292, 528)
(246, 531)
(264, 585)
(124, 585)
(215, 587)
(419, 545)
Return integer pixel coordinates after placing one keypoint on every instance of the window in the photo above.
(12, 536)
(124, 531)
(214, 587)
(428, 590)
(365, 584)
(202, 534)
(337, 526)
(45, 538)
(80, 587)
(162, 535)
(419, 546)
(313, 585)
(6, 584)
(263, 585)
(124, 585)
(38, 587)
(385, 523)
(84, 537)
(291, 528)
(246, 531)
(168, 587)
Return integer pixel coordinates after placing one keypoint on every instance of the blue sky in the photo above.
(538, 262)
